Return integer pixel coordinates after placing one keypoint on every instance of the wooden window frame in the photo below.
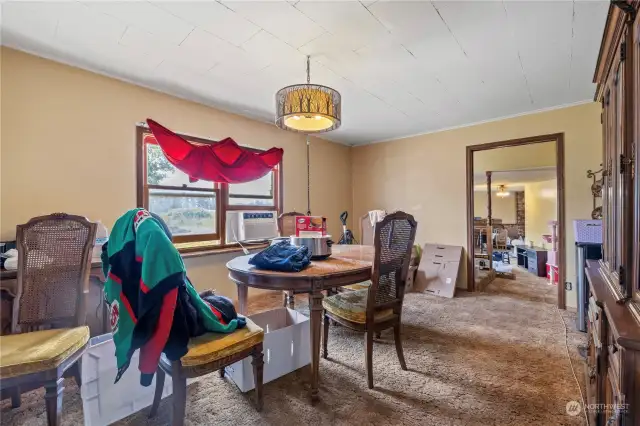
(216, 240)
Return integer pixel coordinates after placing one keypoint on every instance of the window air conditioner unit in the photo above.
(251, 225)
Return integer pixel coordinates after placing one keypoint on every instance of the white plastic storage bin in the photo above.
(588, 231)
(286, 347)
(104, 402)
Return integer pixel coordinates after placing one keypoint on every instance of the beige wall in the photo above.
(68, 144)
(501, 207)
(515, 158)
(540, 207)
(425, 175)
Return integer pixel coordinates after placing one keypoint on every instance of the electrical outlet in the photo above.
(567, 285)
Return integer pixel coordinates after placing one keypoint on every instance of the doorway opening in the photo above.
(515, 211)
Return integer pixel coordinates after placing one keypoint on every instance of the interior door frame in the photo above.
(558, 138)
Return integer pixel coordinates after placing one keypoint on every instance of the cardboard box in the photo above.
(439, 270)
(105, 402)
(311, 226)
(442, 253)
(286, 347)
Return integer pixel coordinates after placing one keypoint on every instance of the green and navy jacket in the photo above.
(152, 305)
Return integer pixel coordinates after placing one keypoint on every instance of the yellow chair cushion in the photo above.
(364, 285)
(214, 346)
(37, 351)
(352, 306)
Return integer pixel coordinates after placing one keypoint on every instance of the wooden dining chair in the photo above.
(286, 228)
(208, 353)
(380, 306)
(366, 230)
(49, 335)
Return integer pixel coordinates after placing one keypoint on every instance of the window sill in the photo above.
(191, 252)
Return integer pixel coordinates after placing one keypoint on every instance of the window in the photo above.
(197, 212)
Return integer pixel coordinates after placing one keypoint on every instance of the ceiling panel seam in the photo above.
(375, 17)
(515, 40)
(573, 23)
(464, 52)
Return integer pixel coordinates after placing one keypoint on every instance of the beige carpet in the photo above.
(494, 358)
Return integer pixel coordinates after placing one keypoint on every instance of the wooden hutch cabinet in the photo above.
(613, 361)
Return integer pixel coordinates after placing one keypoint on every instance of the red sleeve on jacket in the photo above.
(151, 351)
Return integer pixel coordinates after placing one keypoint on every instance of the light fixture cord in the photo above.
(308, 180)
(308, 69)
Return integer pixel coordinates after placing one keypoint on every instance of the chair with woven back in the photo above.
(48, 332)
(286, 228)
(380, 306)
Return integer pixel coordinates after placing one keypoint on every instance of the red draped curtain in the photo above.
(223, 162)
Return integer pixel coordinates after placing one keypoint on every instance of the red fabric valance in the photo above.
(224, 161)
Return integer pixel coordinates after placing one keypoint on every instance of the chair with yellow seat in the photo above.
(48, 336)
(379, 307)
(208, 353)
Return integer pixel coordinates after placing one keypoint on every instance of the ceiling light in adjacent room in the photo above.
(502, 191)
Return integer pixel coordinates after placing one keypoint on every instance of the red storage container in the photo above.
(552, 274)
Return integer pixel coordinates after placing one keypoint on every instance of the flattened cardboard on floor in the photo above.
(439, 270)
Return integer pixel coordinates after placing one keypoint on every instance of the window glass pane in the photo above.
(185, 212)
(260, 187)
(161, 172)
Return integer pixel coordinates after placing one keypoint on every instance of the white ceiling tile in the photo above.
(213, 17)
(280, 19)
(400, 100)
(332, 53)
(402, 68)
(497, 63)
(587, 34)
(438, 53)
(239, 65)
(138, 38)
(349, 20)
(147, 16)
(83, 25)
(408, 21)
(16, 16)
(545, 50)
(268, 49)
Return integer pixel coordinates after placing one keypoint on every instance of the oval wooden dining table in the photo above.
(349, 264)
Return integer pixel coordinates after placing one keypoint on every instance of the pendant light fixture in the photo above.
(308, 108)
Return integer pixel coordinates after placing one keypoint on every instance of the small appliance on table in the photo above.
(311, 231)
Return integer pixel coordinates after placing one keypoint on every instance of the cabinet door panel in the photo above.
(636, 167)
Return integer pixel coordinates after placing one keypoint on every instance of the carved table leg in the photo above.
(243, 291)
(315, 308)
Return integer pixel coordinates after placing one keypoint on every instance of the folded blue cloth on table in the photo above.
(283, 257)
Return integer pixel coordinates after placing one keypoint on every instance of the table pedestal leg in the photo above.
(243, 291)
(315, 308)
